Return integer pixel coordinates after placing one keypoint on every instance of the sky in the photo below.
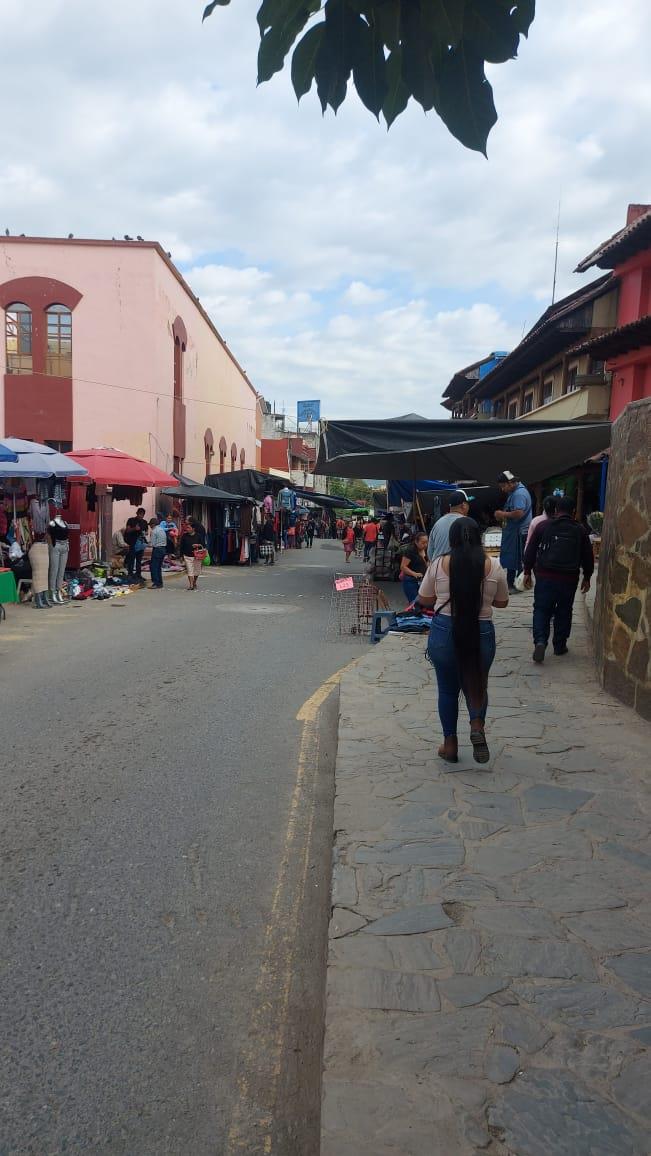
(338, 260)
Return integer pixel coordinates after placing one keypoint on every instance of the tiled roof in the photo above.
(622, 245)
(550, 334)
(635, 335)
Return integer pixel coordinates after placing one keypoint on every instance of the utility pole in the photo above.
(558, 228)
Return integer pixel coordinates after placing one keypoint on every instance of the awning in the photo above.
(246, 483)
(615, 343)
(110, 467)
(201, 493)
(325, 501)
(32, 460)
(457, 449)
(7, 454)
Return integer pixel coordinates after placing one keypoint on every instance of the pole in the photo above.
(558, 227)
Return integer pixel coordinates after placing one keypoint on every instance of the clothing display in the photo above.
(39, 561)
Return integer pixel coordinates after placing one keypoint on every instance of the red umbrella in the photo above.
(108, 467)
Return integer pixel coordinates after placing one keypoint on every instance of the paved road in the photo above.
(164, 879)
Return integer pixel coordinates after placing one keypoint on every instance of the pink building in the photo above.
(106, 345)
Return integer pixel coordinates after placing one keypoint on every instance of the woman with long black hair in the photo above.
(463, 586)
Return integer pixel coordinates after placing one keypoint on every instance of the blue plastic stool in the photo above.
(376, 625)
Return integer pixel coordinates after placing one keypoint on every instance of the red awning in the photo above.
(108, 467)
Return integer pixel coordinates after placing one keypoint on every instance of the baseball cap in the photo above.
(506, 476)
(459, 496)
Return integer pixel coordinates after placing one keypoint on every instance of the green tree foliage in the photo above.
(433, 51)
(355, 489)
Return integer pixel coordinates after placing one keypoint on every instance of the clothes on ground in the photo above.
(439, 539)
(436, 584)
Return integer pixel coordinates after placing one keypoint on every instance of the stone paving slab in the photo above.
(489, 970)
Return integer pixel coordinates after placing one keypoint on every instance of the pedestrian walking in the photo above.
(310, 527)
(348, 541)
(439, 539)
(370, 534)
(558, 550)
(463, 586)
(193, 553)
(158, 542)
(515, 519)
(268, 542)
(413, 566)
(549, 509)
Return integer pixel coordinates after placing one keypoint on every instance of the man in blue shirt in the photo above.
(158, 542)
(515, 519)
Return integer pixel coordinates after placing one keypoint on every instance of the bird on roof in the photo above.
(139, 238)
(7, 233)
(70, 236)
(127, 237)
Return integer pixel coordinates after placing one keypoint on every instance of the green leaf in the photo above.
(281, 13)
(290, 18)
(523, 15)
(489, 29)
(444, 19)
(465, 100)
(385, 17)
(304, 59)
(397, 95)
(420, 56)
(369, 68)
(210, 8)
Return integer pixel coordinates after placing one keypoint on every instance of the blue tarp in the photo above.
(399, 492)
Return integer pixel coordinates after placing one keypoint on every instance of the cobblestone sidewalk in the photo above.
(489, 971)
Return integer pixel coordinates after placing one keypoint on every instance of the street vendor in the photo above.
(515, 519)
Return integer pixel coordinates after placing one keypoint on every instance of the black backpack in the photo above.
(560, 546)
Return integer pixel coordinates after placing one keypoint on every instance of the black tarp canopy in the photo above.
(451, 449)
(246, 483)
(201, 493)
(325, 501)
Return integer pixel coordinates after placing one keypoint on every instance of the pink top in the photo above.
(436, 584)
(532, 525)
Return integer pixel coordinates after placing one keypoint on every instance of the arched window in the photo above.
(208, 448)
(222, 454)
(58, 361)
(242, 458)
(18, 338)
(180, 335)
(233, 457)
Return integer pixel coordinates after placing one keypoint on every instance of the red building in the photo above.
(627, 348)
(291, 455)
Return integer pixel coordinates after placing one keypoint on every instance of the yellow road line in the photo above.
(273, 987)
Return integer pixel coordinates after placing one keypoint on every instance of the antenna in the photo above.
(558, 228)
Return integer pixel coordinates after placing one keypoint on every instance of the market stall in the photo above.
(34, 523)
(231, 520)
(113, 476)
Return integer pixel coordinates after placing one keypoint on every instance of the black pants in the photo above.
(553, 599)
(133, 562)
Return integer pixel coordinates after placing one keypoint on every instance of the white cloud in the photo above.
(337, 259)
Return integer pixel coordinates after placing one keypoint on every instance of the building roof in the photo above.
(300, 449)
(623, 244)
(113, 244)
(617, 341)
(555, 331)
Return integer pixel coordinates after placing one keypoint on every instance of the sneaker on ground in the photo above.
(539, 652)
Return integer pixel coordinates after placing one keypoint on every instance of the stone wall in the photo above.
(622, 619)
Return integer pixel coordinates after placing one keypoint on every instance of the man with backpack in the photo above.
(557, 550)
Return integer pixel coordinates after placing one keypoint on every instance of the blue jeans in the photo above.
(553, 598)
(410, 588)
(442, 655)
(156, 565)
